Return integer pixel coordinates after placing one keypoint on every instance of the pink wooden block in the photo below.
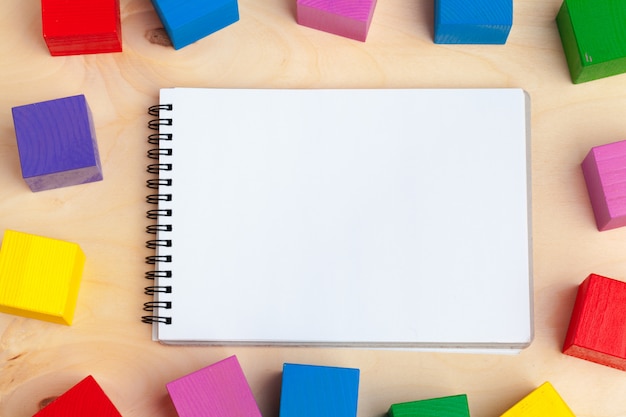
(604, 169)
(219, 390)
(349, 18)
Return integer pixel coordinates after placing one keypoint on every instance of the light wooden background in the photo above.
(266, 48)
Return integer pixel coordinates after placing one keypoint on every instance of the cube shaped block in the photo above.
(542, 402)
(605, 176)
(452, 406)
(473, 22)
(593, 38)
(218, 390)
(57, 145)
(318, 391)
(348, 18)
(191, 20)
(84, 399)
(597, 328)
(39, 277)
(76, 27)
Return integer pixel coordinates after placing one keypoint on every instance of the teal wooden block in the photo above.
(318, 391)
(593, 34)
(452, 406)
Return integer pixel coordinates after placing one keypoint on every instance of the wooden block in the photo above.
(473, 22)
(542, 402)
(76, 27)
(318, 391)
(348, 18)
(219, 390)
(452, 406)
(603, 169)
(57, 145)
(84, 399)
(597, 329)
(593, 38)
(39, 277)
(191, 20)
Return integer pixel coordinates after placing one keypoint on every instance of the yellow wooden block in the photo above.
(39, 277)
(542, 402)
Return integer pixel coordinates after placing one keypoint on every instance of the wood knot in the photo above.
(158, 37)
(46, 402)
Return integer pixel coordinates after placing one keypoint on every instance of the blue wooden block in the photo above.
(473, 22)
(188, 21)
(318, 391)
(56, 141)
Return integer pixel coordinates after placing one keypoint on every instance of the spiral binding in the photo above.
(161, 141)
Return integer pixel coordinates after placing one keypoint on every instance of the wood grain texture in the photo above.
(39, 277)
(318, 391)
(450, 406)
(218, 390)
(84, 399)
(75, 27)
(186, 22)
(541, 402)
(597, 329)
(267, 48)
(605, 176)
(57, 144)
(476, 22)
(347, 18)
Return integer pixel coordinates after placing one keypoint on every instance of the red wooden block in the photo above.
(75, 27)
(597, 329)
(84, 399)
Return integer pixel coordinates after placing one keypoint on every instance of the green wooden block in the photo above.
(453, 406)
(594, 38)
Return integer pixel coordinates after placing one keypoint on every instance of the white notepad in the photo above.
(362, 218)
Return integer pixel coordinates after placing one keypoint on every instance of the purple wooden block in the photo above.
(57, 145)
(349, 18)
(604, 169)
(219, 390)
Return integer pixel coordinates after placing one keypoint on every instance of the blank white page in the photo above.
(366, 218)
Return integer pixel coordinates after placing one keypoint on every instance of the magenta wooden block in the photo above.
(349, 18)
(604, 169)
(219, 390)
(56, 141)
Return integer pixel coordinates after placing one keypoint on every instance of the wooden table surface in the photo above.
(266, 48)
